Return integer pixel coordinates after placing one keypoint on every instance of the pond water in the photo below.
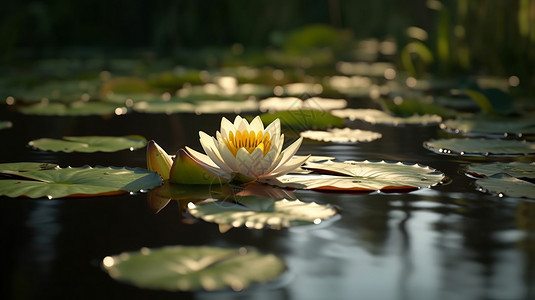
(447, 242)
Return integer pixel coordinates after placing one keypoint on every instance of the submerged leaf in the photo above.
(480, 147)
(257, 213)
(90, 143)
(375, 116)
(77, 182)
(345, 135)
(363, 176)
(194, 268)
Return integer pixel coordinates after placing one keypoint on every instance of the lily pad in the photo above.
(345, 135)
(274, 104)
(505, 185)
(515, 169)
(409, 107)
(303, 119)
(200, 107)
(257, 213)
(362, 176)
(64, 91)
(80, 108)
(480, 147)
(194, 268)
(14, 168)
(491, 126)
(375, 116)
(90, 143)
(5, 124)
(76, 182)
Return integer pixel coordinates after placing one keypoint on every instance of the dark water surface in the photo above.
(448, 242)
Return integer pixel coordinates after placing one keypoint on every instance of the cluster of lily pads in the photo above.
(248, 179)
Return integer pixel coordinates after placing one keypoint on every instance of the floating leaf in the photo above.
(480, 147)
(64, 91)
(409, 107)
(505, 185)
(80, 108)
(194, 268)
(121, 85)
(375, 116)
(254, 212)
(274, 104)
(303, 119)
(201, 107)
(5, 124)
(89, 144)
(345, 135)
(515, 169)
(77, 182)
(14, 168)
(490, 126)
(363, 176)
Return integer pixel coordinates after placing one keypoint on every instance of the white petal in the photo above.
(226, 127)
(274, 129)
(248, 163)
(288, 153)
(241, 124)
(257, 125)
(277, 148)
(228, 157)
(208, 143)
(288, 167)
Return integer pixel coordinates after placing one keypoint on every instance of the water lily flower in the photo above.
(247, 151)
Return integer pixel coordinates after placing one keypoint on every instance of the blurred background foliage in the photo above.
(448, 38)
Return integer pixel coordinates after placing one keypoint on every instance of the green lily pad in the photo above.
(345, 135)
(515, 169)
(274, 104)
(5, 124)
(194, 268)
(363, 176)
(480, 147)
(491, 126)
(409, 107)
(303, 119)
(80, 108)
(257, 213)
(201, 107)
(90, 143)
(76, 182)
(14, 168)
(505, 185)
(64, 91)
(375, 116)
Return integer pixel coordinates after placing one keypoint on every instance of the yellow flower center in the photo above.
(248, 140)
